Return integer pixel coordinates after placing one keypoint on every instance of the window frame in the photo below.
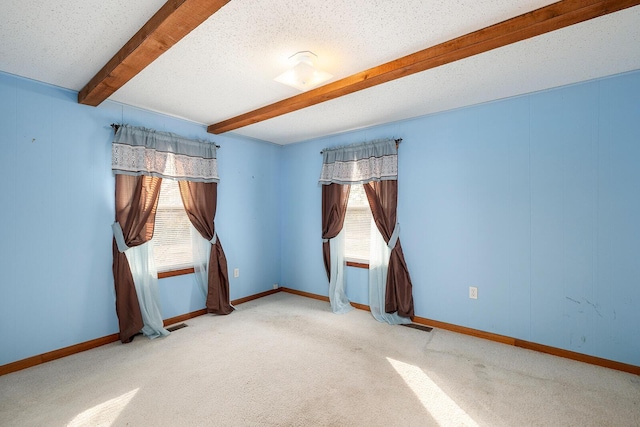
(172, 273)
(178, 270)
(352, 261)
(357, 264)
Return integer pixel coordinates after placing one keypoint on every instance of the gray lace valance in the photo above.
(141, 151)
(360, 163)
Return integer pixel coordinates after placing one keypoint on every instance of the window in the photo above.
(357, 225)
(172, 233)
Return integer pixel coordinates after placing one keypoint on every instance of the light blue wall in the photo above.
(534, 200)
(57, 191)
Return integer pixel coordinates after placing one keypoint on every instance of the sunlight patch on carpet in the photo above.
(442, 408)
(104, 414)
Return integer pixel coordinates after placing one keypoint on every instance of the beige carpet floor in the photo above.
(285, 360)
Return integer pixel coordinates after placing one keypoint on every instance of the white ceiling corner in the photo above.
(226, 66)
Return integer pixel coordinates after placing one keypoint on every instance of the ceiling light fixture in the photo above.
(304, 75)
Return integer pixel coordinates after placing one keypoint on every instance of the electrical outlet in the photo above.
(236, 272)
(275, 286)
(473, 292)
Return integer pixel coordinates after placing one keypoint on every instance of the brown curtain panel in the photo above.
(334, 210)
(383, 200)
(136, 203)
(200, 201)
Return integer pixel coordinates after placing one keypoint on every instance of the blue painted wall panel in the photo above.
(357, 285)
(531, 199)
(301, 220)
(248, 214)
(8, 192)
(57, 193)
(501, 254)
(615, 299)
(563, 164)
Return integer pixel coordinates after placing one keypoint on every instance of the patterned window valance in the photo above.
(141, 151)
(360, 163)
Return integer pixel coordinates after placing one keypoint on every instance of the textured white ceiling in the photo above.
(65, 43)
(226, 66)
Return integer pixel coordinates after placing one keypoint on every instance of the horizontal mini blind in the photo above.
(357, 225)
(172, 234)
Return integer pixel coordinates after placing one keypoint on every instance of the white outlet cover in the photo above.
(473, 292)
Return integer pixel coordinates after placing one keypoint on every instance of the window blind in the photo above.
(172, 234)
(357, 225)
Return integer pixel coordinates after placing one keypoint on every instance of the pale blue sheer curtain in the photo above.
(201, 249)
(347, 165)
(337, 283)
(379, 254)
(145, 278)
(359, 164)
(141, 151)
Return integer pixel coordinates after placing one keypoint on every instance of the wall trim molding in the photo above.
(178, 319)
(554, 351)
(99, 342)
(516, 342)
(254, 296)
(56, 354)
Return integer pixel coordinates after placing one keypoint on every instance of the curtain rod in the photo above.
(398, 141)
(115, 127)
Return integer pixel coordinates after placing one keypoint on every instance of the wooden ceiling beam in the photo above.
(174, 20)
(531, 24)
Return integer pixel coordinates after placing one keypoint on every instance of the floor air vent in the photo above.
(176, 327)
(420, 327)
